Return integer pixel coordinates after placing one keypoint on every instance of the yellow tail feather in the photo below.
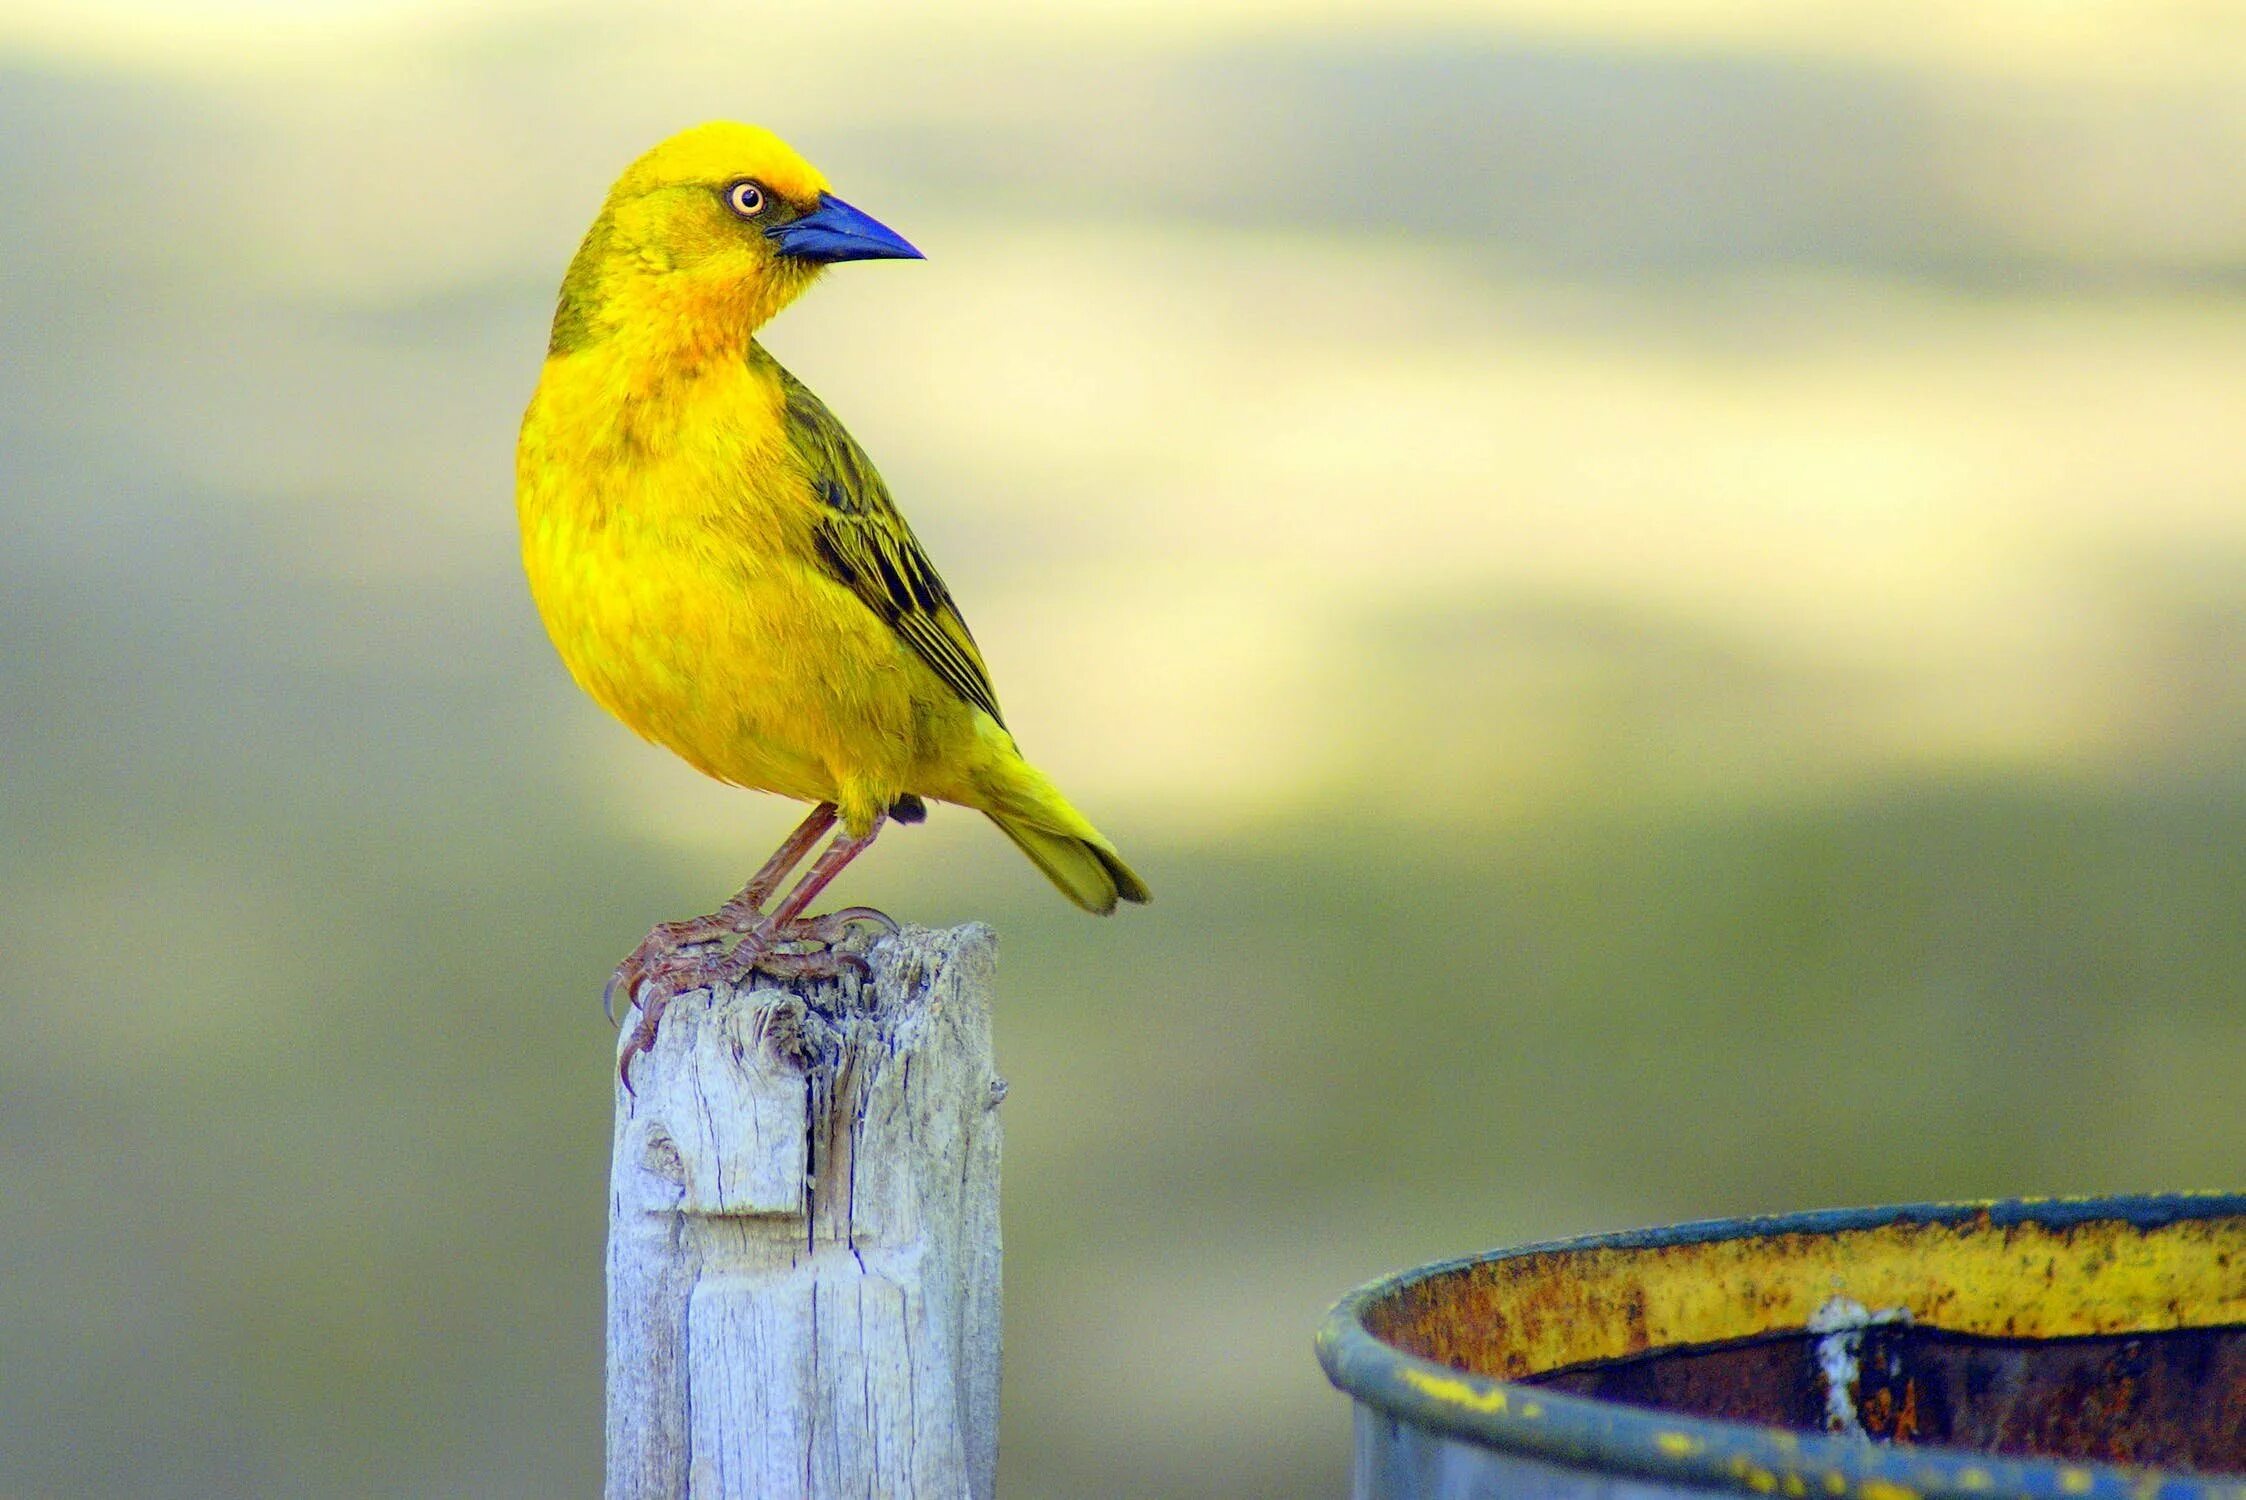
(1089, 873)
(1031, 811)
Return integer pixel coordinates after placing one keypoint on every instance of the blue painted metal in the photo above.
(1432, 1431)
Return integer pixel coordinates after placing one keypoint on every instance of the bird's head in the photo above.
(716, 229)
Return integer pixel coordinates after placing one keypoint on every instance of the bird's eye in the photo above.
(745, 199)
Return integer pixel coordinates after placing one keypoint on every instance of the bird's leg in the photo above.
(662, 948)
(774, 943)
(788, 924)
(743, 910)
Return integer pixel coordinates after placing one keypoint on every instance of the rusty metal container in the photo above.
(2052, 1349)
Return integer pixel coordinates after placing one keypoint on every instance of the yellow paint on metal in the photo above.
(1792, 1484)
(1880, 1489)
(1508, 1318)
(2075, 1481)
(1458, 1393)
(1974, 1479)
(1678, 1444)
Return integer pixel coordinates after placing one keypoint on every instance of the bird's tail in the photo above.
(1031, 811)
(1088, 870)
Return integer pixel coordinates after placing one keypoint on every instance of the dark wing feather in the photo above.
(867, 545)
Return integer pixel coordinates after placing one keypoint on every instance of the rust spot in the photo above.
(2172, 1400)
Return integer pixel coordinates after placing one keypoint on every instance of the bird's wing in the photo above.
(866, 544)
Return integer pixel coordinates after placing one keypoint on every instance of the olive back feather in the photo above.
(864, 542)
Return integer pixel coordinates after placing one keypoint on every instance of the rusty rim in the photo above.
(1604, 1436)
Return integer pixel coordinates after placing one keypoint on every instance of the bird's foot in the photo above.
(663, 949)
(682, 956)
(835, 926)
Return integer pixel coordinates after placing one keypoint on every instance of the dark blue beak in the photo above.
(836, 231)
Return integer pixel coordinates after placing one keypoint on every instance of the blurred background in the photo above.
(1658, 586)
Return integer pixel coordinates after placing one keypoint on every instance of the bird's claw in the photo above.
(681, 956)
(650, 1001)
(835, 926)
(661, 949)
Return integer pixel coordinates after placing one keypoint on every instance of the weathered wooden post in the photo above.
(803, 1248)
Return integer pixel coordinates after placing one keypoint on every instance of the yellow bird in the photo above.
(721, 568)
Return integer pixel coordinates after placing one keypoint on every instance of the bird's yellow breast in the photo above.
(668, 532)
